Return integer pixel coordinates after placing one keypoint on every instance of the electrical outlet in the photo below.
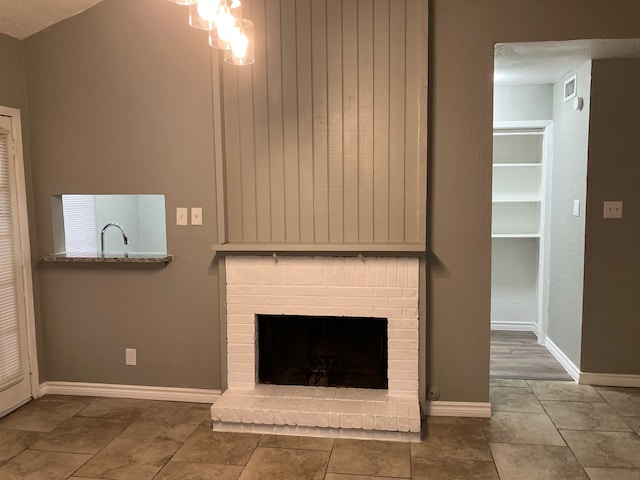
(612, 210)
(181, 216)
(196, 216)
(130, 356)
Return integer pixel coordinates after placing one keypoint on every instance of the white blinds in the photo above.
(80, 231)
(10, 355)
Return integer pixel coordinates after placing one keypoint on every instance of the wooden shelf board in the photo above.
(398, 248)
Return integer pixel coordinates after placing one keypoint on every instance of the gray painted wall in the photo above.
(462, 37)
(566, 231)
(522, 102)
(121, 102)
(88, 81)
(12, 92)
(610, 327)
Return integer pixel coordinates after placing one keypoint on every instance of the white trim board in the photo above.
(515, 327)
(609, 379)
(566, 363)
(172, 394)
(458, 409)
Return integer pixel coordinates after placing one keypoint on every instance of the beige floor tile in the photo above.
(453, 421)
(176, 413)
(456, 442)
(612, 474)
(160, 430)
(41, 416)
(584, 416)
(625, 401)
(340, 476)
(523, 428)
(508, 382)
(568, 391)
(198, 471)
(362, 457)
(274, 463)
(129, 459)
(535, 462)
(513, 399)
(604, 449)
(69, 398)
(12, 442)
(206, 446)
(297, 443)
(117, 408)
(439, 469)
(633, 422)
(81, 435)
(37, 465)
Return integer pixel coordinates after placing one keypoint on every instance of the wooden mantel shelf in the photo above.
(404, 249)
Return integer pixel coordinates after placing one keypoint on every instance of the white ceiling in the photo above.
(22, 18)
(548, 62)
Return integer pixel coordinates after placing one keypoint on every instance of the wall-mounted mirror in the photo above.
(110, 224)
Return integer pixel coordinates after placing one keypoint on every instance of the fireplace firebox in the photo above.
(322, 351)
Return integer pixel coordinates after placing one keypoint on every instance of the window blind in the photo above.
(80, 231)
(10, 354)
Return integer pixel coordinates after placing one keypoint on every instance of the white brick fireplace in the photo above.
(379, 287)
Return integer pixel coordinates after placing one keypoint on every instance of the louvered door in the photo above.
(15, 382)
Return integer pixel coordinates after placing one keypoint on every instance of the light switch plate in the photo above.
(130, 356)
(576, 208)
(612, 209)
(181, 216)
(196, 216)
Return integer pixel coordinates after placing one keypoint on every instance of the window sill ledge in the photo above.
(115, 258)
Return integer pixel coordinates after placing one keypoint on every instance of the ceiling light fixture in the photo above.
(228, 31)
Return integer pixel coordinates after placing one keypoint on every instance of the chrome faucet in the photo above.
(112, 224)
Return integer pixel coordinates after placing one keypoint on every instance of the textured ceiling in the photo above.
(22, 18)
(548, 62)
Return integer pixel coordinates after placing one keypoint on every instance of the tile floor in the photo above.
(539, 430)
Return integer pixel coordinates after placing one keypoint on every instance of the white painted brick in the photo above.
(246, 318)
(410, 313)
(403, 334)
(279, 417)
(403, 385)
(380, 422)
(334, 420)
(414, 424)
(392, 424)
(403, 302)
(357, 312)
(411, 355)
(241, 329)
(405, 323)
(403, 279)
(240, 309)
(241, 348)
(242, 368)
(411, 374)
(331, 291)
(402, 365)
(371, 270)
(248, 378)
(240, 385)
(403, 424)
(410, 293)
(388, 292)
(392, 272)
(403, 344)
(349, 274)
(241, 339)
(381, 274)
(413, 279)
(388, 313)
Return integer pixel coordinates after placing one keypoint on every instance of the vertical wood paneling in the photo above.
(381, 121)
(350, 119)
(261, 124)
(288, 29)
(324, 137)
(305, 119)
(276, 137)
(335, 133)
(320, 28)
(396, 121)
(247, 151)
(365, 121)
(413, 81)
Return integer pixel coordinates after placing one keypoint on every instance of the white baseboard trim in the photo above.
(458, 409)
(515, 327)
(609, 379)
(172, 394)
(566, 363)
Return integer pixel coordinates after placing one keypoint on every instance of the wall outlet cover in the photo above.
(612, 209)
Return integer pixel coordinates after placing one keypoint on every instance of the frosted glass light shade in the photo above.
(182, 2)
(241, 51)
(202, 13)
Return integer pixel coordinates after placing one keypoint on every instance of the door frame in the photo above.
(25, 246)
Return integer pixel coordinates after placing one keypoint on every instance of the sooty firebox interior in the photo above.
(322, 351)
